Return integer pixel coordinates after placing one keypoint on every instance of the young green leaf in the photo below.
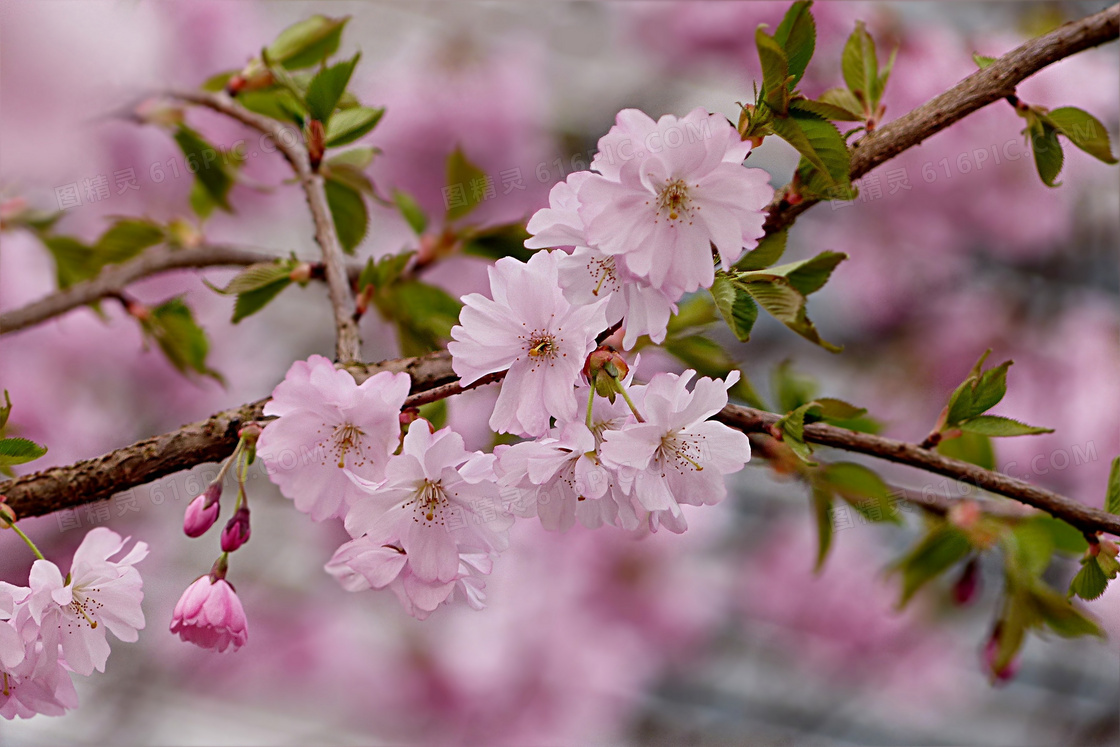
(1112, 499)
(837, 409)
(1047, 150)
(942, 548)
(787, 305)
(736, 306)
(307, 43)
(792, 389)
(251, 301)
(863, 489)
(424, 314)
(74, 261)
(1056, 611)
(797, 35)
(969, 447)
(1090, 582)
(827, 143)
(1083, 130)
(996, 426)
(462, 175)
(775, 72)
(769, 250)
(172, 326)
(347, 125)
(276, 102)
(981, 60)
(5, 411)
(808, 275)
(19, 451)
(860, 67)
(844, 100)
(206, 162)
(980, 392)
(822, 511)
(792, 427)
(125, 239)
(350, 214)
(827, 110)
(327, 87)
(495, 242)
(257, 276)
(356, 158)
(1064, 538)
(411, 211)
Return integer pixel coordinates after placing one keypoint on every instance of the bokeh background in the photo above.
(720, 636)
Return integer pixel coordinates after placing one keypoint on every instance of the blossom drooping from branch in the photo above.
(329, 424)
(210, 615)
(531, 329)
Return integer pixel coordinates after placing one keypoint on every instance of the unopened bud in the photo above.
(316, 138)
(255, 76)
(184, 234)
(236, 532)
(991, 653)
(138, 311)
(409, 415)
(249, 433)
(964, 590)
(1110, 548)
(604, 370)
(203, 511)
(964, 514)
(6, 512)
(301, 273)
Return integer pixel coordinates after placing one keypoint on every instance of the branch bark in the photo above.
(289, 142)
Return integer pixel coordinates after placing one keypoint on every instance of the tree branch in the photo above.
(983, 87)
(348, 342)
(114, 279)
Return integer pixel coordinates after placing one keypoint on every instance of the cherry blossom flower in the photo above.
(559, 224)
(668, 191)
(438, 501)
(98, 593)
(40, 682)
(329, 424)
(677, 455)
(531, 329)
(210, 615)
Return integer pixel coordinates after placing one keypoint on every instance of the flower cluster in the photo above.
(56, 626)
(644, 225)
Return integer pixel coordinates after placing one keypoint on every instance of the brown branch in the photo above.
(983, 87)
(289, 142)
(113, 280)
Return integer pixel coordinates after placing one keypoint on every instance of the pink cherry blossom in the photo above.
(531, 329)
(97, 594)
(559, 224)
(677, 455)
(210, 615)
(438, 501)
(40, 682)
(668, 191)
(329, 424)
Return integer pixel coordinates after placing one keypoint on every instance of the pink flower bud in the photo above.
(202, 512)
(964, 591)
(236, 532)
(210, 615)
(991, 651)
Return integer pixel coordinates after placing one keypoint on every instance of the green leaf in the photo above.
(1063, 537)
(822, 510)
(74, 261)
(769, 250)
(736, 306)
(350, 214)
(201, 202)
(385, 271)
(1060, 615)
(942, 548)
(1110, 566)
(1047, 150)
(251, 301)
(884, 76)
(1112, 498)
(778, 296)
(217, 82)
(808, 275)
(838, 409)
(172, 326)
(495, 242)
(1090, 582)
(981, 60)
(845, 100)
(351, 177)
(411, 210)
(5, 411)
(827, 110)
(356, 158)
(257, 276)
(995, 425)
(276, 102)
(860, 67)
(1030, 546)
(206, 161)
(827, 143)
(19, 451)
(461, 173)
(1083, 130)
(347, 125)
(792, 426)
(978, 393)
(125, 239)
(969, 447)
(327, 87)
(792, 389)
(435, 413)
(307, 43)
(775, 71)
(424, 314)
(863, 489)
(797, 35)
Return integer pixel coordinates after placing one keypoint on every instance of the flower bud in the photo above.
(604, 370)
(964, 590)
(315, 137)
(249, 433)
(991, 653)
(964, 514)
(202, 512)
(236, 532)
(409, 415)
(7, 515)
(301, 273)
(157, 111)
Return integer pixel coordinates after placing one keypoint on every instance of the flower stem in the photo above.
(24, 537)
(630, 402)
(590, 404)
